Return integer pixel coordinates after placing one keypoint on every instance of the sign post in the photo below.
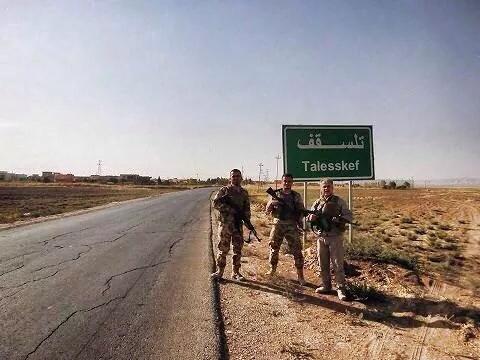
(337, 152)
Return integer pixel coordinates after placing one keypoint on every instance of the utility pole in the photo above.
(259, 174)
(276, 176)
(266, 175)
(99, 168)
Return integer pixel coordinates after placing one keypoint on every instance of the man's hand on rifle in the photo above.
(312, 217)
(272, 205)
(336, 220)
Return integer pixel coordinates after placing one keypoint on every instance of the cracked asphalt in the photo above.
(127, 282)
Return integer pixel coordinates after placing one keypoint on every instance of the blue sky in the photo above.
(177, 88)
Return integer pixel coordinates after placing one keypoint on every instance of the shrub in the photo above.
(411, 236)
(444, 227)
(420, 231)
(437, 258)
(442, 234)
(449, 246)
(367, 248)
(364, 292)
(406, 220)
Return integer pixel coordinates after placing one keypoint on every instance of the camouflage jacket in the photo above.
(341, 210)
(283, 213)
(239, 196)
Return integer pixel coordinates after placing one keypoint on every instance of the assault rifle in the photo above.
(239, 217)
(322, 223)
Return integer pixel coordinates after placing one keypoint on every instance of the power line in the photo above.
(259, 174)
(276, 176)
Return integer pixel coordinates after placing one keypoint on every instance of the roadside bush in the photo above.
(437, 258)
(442, 234)
(411, 236)
(366, 248)
(420, 231)
(444, 227)
(365, 292)
(449, 246)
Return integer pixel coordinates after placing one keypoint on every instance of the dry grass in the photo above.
(422, 228)
(23, 202)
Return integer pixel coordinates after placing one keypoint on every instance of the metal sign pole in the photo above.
(350, 205)
(304, 219)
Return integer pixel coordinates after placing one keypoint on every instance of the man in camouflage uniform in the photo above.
(330, 243)
(286, 224)
(229, 228)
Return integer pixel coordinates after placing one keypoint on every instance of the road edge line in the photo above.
(222, 349)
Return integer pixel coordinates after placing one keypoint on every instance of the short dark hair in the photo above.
(327, 181)
(287, 175)
(235, 171)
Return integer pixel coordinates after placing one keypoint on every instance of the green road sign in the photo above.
(313, 152)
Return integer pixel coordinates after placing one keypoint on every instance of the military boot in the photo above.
(217, 275)
(301, 279)
(324, 289)
(236, 274)
(272, 271)
(342, 294)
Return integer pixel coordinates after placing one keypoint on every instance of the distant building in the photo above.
(6, 176)
(82, 179)
(48, 176)
(63, 178)
(104, 178)
(132, 178)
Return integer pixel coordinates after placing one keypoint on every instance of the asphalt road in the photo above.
(128, 282)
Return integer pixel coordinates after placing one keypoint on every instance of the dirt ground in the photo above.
(430, 311)
(20, 201)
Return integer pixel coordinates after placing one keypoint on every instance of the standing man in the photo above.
(287, 221)
(330, 243)
(230, 228)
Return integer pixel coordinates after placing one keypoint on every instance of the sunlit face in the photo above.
(327, 189)
(235, 178)
(287, 183)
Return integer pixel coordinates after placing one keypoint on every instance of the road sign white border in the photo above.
(368, 127)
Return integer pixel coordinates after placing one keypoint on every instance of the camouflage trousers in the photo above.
(330, 249)
(227, 233)
(290, 232)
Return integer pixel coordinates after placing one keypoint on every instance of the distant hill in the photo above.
(451, 182)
